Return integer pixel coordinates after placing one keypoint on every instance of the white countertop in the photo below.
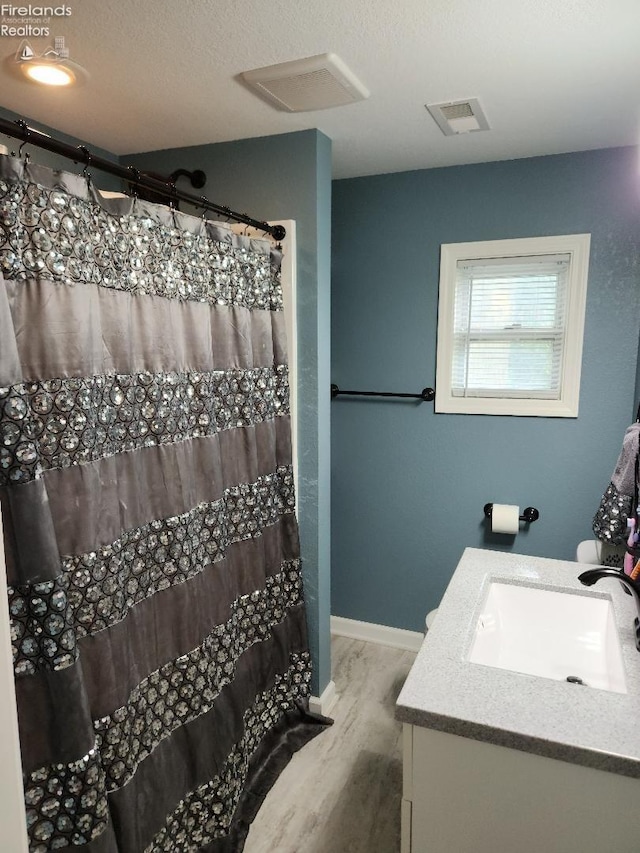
(444, 691)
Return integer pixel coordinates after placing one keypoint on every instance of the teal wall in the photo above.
(289, 177)
(45, 158)
(409, 485)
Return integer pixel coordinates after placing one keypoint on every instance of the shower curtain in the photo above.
(158, 625)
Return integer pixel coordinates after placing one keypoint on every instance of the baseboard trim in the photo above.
(397, 638)
(324, 704)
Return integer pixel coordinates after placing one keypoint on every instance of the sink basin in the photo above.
(551, 634)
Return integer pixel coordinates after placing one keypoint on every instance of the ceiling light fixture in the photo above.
(53, 68)
(48, 73)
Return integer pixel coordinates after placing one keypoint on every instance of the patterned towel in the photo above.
(610, 520)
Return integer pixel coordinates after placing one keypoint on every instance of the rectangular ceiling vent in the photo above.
(316, 83)
(454, 117)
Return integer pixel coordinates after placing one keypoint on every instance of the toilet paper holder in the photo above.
(529, 514)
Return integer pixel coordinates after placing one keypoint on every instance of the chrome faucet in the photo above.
(590, 577)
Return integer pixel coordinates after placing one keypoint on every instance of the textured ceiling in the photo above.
(552, 75)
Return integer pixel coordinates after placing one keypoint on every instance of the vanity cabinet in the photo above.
(500, 760)
(468, 796)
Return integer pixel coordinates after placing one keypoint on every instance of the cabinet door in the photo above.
(469, 796)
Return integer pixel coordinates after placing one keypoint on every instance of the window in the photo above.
(510, 326)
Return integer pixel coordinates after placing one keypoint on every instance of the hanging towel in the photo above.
(616, 504)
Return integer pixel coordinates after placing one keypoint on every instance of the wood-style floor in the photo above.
(341, 793)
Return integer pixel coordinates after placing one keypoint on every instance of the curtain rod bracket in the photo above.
(197, 178)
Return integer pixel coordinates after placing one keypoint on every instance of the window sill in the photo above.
(506, 406)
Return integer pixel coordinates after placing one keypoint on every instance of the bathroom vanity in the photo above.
(506, 754)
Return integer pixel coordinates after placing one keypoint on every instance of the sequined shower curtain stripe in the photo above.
(159, 636)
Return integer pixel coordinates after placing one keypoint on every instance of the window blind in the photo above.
(510, 318)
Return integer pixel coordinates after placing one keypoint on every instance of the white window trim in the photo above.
(578, 246)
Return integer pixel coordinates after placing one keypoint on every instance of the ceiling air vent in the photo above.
(455, 117)
(315, 83)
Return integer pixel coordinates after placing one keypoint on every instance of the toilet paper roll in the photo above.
(505, 518)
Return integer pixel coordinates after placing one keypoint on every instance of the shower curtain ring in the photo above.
(87, 157)
(135, 181)
(173, 197)
(27, 133)
(205, 205)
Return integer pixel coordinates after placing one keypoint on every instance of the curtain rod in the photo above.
(427, 394)
(80, 154)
